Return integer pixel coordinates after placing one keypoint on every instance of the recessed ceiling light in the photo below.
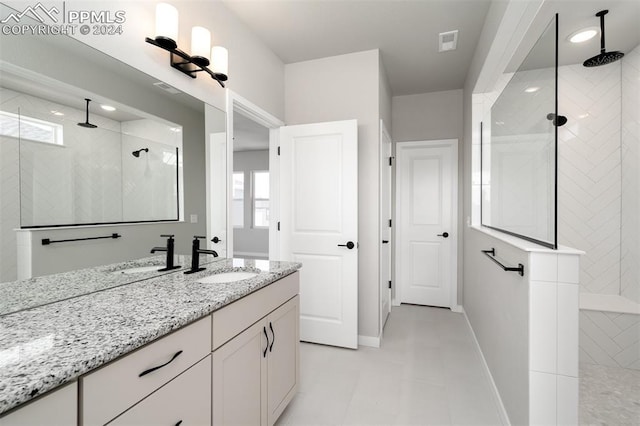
(58, 113)
(585, 115)
(108, 108)
(531, 89)
(583, 35)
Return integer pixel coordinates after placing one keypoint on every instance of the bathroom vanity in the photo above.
(170, 349)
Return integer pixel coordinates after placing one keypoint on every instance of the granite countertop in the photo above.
(44, 347)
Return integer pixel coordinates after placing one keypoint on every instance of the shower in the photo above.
(137, 153)
(86, 123)
(604, 57)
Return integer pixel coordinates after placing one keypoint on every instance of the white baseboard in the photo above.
(504, 417)
(457, 309)
(373, 342)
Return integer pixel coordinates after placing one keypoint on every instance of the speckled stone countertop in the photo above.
(25, 294)
(46, 346)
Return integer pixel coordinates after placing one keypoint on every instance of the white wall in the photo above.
(340, 88)
(249, 239)
(428, 116)
(255, 72)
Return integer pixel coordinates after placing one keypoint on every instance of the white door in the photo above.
(319, 226)
(385, 224)
(217, 229)
(426, 231)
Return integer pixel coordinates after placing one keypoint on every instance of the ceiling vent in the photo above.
(448, 41)
(164, 86)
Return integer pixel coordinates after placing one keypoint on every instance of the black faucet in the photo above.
(169, 250)
(195, 255)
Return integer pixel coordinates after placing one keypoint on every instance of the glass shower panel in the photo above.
(519, 149)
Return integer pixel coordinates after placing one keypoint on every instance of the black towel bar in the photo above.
(47, 241)
(491, 255)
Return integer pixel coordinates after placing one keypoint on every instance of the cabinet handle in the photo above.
(179, 423)
(274, 336)
(264, 354)
(151, 370)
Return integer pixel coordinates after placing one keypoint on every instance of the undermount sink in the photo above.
(227, 277)
(139, 270)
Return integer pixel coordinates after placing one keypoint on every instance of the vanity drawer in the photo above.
(233, 319)
(112, 389)
(185, 400)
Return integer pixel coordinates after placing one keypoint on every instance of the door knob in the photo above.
(349, 245)
(444, 234)
(216, 240)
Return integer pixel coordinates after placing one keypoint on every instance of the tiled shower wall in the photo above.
(630, 242)
(70, 184)
(589, 172)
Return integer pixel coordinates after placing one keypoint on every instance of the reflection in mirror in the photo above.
(102, 174)
(121, 168)
(519, 150)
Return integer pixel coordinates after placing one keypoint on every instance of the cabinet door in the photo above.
(240, 379)
(283, 357)
(59, 408)
(186, 400)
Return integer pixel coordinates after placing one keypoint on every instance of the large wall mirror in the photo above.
(144, 162)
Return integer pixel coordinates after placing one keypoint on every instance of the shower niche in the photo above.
(78, 164)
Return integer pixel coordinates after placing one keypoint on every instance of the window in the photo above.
(30, 129)
(237, 212)
(260, 199)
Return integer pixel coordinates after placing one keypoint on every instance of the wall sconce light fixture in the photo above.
(166, 36)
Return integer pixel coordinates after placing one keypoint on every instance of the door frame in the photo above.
(453, 143)
(236, 103)
(384, 135)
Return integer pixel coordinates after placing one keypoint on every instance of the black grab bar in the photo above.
(47, 241)
(491, 255)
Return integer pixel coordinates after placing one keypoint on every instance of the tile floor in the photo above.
(609, 395)
(427, 372)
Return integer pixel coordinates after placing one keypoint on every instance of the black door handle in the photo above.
(273, 339)
(216, 240)
(349, 245)
(385, 241)
(444, 234)
(264, 353)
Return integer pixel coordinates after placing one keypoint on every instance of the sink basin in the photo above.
(139, 270)
(227, 277)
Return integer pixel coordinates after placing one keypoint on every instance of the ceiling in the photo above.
(405, 31)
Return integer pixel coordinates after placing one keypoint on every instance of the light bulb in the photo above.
(219, 60)
(166, 23)
(200, 42)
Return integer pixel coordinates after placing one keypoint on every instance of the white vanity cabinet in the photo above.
(57, 408)
(185, 400)
(256, 374)
(114, 388)
(256, 371)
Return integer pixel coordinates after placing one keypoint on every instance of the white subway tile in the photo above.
(543, 327)
(568, 329)
(542, 398)
(567, 400)
(543, 267)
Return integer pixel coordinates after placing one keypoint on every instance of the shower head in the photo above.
(137, 153)
(86, 123)
(604, 57)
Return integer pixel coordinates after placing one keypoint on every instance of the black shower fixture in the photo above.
(86, 123)
(604, 57)
(137, 153)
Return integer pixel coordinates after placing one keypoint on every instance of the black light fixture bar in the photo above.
(190, 64)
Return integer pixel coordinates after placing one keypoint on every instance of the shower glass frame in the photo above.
(504, 116)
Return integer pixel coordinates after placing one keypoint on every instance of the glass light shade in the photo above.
(219, 60)
(167, 21)
(200, 42)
